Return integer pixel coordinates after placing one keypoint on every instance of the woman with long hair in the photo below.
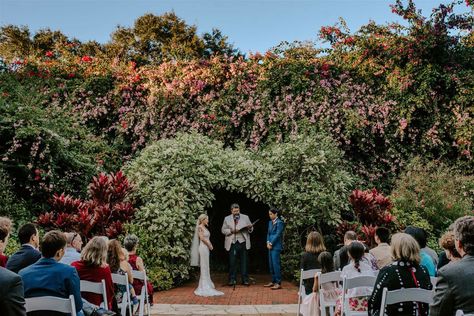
(309, 259)
(200, 248)
(93, 267)
(119, 265)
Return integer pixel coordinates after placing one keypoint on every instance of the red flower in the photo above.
(49, 54)
(71, 75)
(86, 59)
(124, 124)
(325, 67)
(5, 94)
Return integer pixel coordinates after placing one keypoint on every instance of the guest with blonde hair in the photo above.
(93, 267)
(309, 259)
(405, 272)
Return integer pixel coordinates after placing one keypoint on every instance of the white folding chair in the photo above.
(352, 283)
(461, 313)
(304, 275)
(433, 282)
(97, 288)
(51, 304)
(122, 279)
(404, 295)
(141, 275)
(330, 277)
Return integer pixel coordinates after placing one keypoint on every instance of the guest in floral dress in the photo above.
(357, 297)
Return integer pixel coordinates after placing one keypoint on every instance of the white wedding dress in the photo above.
(206, 287)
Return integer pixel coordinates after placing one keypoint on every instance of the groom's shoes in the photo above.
(276, 287)
(246, 283)
(231, 283)
(269, 284)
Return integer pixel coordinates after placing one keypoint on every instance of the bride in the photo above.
(200, 248)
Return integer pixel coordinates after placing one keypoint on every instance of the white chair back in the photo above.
(304, 275)
(433, 281)
(352, 283)
(405, 295)
(461, 313)
(51, 304)
(330, 277)
(122, 279)
(143, 298)
(97, 288)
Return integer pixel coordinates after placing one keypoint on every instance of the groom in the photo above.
(236, 228)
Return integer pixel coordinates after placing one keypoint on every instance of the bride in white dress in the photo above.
(200, 248)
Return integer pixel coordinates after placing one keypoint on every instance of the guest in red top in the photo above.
(93, 267)
(131, 243)
(5, 229)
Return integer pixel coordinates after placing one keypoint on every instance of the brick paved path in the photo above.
(255, 294)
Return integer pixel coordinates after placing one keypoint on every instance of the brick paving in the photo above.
(255, 294)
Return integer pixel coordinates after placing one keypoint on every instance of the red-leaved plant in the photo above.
(372, 209)
(103, 214)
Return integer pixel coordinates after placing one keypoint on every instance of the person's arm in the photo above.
(203, 239)
(15, 298)
(73, 287)
(226, 229)
(443, 299)
(140, 264)
(316, 283)
(125, 266)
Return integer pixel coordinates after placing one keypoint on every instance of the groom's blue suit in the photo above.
(274, 237)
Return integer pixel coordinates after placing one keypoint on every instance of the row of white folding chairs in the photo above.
(143, 299)
(68, 306)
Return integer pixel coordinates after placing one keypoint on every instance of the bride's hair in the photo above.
(201, 218)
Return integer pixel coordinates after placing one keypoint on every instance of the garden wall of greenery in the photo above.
(175, 179)
(396, 100)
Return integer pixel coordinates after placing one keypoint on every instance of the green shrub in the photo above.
(175, 179)
(432, 195)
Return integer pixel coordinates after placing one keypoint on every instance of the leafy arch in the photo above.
(175, 179)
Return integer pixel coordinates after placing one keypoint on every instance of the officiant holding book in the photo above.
(237, 228)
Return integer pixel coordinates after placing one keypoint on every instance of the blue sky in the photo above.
(251, 25)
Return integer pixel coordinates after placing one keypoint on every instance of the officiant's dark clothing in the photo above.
(309, 261)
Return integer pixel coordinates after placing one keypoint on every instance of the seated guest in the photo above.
(48, 277)
(93, 267)
(73, 248)
(426, 259)
(4, 234)
(404, 272)
(442, 258)
(428, 250)
(447, 242)
(118, 264)
(309, 259)
(341, 257)
(12, 301)
(28, 253)
(131, 244)
(455, 287)
(356, 267)
(382, 252)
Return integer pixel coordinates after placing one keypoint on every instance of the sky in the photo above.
(251, 25)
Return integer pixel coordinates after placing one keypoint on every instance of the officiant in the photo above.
(237, 228)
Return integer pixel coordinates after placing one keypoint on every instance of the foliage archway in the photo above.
(175, 178)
